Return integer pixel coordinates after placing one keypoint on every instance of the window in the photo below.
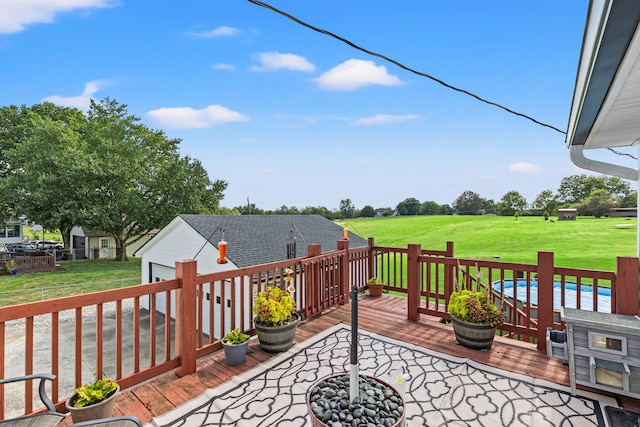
(607, 343)
(104, 243)
(13, 230)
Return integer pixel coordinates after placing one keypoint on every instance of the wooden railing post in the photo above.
(545, 296)
(312, 291)
(186, 272)
(626, 289)
(343, 245)
(372, 258)
(413, 281)
(449, 250)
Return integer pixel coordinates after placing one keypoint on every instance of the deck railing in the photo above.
(139, 332)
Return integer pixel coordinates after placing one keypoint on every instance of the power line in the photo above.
(404, 67)
(399, 64)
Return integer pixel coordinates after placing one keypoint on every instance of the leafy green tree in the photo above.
(285, 210)
(489, 206)
(347, 209)
(429, 208)
(546, 201)
(410, 206)
(511, 203)
(468, 203)
(597, 204)
(47, 174)
(576, 188)
(136, 180)
(368, 212)
(445, 210)
(319, 210)
(629, 201)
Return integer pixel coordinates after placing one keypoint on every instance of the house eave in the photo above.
(605, 111)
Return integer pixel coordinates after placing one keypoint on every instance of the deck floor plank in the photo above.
(385, 316)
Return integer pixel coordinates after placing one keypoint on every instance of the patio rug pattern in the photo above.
(442, 390)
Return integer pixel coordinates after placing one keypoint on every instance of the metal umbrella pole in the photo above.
(354, 378)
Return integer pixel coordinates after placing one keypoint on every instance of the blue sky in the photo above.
(288, 116)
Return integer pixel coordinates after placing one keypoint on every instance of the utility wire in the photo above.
(404, 67)
(457, 89)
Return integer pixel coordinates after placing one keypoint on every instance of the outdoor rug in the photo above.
(442, 390)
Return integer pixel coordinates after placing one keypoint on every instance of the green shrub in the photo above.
(474, 307)
(95, 392)
(235, 337)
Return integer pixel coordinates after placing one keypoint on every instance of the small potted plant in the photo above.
(276, 320)
(475, 318)
(235, 346)
(11, 266)
(375, 285)
(93, 400)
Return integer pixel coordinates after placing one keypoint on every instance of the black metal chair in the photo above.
(121, 421)
(49, 418)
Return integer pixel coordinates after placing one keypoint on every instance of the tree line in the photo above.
(590, 195)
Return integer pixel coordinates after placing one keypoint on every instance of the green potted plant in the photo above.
(276, 320)
(93, 400)
(11, 266)
(475, 318)
(235, 346)
(375, 285)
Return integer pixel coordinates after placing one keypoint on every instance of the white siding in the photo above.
(179, 242)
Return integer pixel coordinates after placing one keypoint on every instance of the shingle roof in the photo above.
(261, 239)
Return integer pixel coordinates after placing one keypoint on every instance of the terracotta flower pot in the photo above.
(375, 290)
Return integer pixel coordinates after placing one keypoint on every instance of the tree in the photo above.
(512, 203)
(410, 206)
(576, 188)
(42, 165)
(136, 180)
(545, 202)
(347, 209)
(630, 201)
(468, 203)
(597, 204)
(368, 212)
(429, 208)
(445, 210)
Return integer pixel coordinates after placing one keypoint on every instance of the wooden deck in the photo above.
(385, 316)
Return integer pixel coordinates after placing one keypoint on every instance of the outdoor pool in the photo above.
(586, 294)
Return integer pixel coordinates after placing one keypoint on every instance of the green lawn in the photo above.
(589, 243)
(74, 278)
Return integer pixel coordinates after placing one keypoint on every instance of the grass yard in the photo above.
(589, 243)
(76, 278)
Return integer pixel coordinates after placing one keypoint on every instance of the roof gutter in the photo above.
(578, 158)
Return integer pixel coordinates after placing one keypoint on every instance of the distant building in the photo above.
(11, 232)
(623, 212)
(567, 214)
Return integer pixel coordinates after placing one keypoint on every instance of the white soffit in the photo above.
(618, 122)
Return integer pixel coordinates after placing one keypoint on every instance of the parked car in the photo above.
(24, 246)
(48, 245)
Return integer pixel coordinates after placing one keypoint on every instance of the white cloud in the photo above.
(17, 14)
(354, 74)
(524, 167)
(272, 61)
(228, 67)
(383, 119)
(186, 117)
(216, 32)
(82, 101)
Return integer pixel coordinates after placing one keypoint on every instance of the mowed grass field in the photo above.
(73, 278)
(590, 243)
